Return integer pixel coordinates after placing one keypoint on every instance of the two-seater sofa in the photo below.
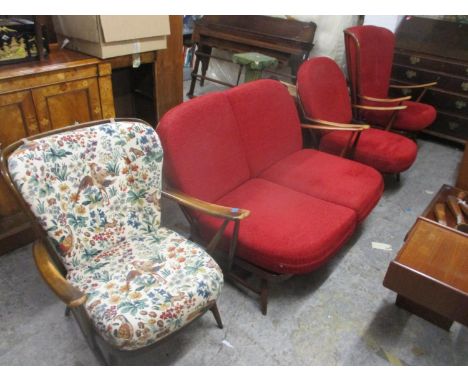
(243, 148)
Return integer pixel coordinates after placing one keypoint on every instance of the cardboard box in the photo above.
(111, 36)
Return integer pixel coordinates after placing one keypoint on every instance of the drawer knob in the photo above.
(460, 104)
(414, 60)
(410, 74)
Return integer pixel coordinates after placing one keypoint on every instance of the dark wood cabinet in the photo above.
(436, 50)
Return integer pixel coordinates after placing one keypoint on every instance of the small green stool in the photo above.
(254, 64)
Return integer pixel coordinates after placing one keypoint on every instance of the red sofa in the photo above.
(243, 148)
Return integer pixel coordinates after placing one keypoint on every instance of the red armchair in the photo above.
(369, 54)
(243, 147)
(323, 95)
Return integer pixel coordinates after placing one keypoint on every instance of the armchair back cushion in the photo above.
(323, 92)
(370, 62)
(93, 187)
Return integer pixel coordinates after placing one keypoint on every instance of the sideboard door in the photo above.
(17, 120)
(67, 103)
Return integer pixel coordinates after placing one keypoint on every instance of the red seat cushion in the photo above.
(287, 231)
(331, 178)
(385, 151)
(417, 116)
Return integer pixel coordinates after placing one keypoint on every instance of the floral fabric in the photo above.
(96, 192)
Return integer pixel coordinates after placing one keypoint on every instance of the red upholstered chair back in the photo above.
(323, 92)
(203, 155)
(369, 53)
(214, 143)
(268, 122)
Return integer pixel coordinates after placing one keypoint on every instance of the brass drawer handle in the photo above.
(460, 104)
(410, 74)
(453, 125)
(414, 60)
(464, 86)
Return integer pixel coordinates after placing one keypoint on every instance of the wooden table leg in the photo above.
(423, 312)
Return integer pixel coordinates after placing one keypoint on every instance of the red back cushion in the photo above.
(323, 92)
(372, 61)
(268, 122)
(203, 156)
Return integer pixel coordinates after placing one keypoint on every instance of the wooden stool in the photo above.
(254, 64)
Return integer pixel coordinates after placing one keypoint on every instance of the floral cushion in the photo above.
(96, 192)
(147, 287)
(93, 187)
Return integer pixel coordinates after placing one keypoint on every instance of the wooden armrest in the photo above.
(366, 107)
(70, 295)
(292, 89)
(208, 208)
(417, 86)
(400, 99)
(335, 128)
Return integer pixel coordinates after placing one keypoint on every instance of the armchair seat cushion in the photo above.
(287, 231)
(147, 287)
(385, 151)
(330, 178)
(417, 116)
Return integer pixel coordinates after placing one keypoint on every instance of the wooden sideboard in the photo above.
(429, 50)
(66, 88)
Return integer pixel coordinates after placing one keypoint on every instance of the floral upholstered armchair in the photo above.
(93, 192)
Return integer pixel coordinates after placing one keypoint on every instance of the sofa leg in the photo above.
(217, 316)
(264, 296)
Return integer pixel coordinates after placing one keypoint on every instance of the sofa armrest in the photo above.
(216, 210)
(70, 295)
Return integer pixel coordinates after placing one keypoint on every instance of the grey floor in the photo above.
(338, 315)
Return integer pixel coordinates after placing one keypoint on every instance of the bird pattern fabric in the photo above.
(96, 192)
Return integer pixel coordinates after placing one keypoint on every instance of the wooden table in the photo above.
(430, 273)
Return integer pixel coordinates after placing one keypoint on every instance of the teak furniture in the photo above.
(430, 273)
(369, 57)
(92, 193)
(289, 41)
(436, 50)
(324, 101)
(462, 180)
(37, 97)
(243, 147)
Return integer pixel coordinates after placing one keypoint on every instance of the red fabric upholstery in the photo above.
(386, 152)
(331, 178)
(370, 68)
(324, 95)
(287, 231)
(323, 91)
(268, 122)
(416, 117)
(203, 156)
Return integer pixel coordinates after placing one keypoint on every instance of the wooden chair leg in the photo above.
(264, 296)
(397, 176)
(217, 316)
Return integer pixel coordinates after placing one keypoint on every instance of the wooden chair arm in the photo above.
(321, 124)
(387, 100)
(70, 295)
(216, 210)
(388, 108)
(417, 86)
(292, 89)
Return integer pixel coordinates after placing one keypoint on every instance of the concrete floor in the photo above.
(338, 315)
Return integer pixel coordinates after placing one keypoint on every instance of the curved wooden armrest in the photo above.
(366, 107)
(70, 295)
(387, 100)
(206, 207)
(292, 89)
(417, 86)
(335, 128)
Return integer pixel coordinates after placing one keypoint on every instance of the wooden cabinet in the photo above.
(66, 88)
(436, 50)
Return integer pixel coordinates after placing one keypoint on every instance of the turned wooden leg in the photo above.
(217, 316)
(194, 77)
(264, 296)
